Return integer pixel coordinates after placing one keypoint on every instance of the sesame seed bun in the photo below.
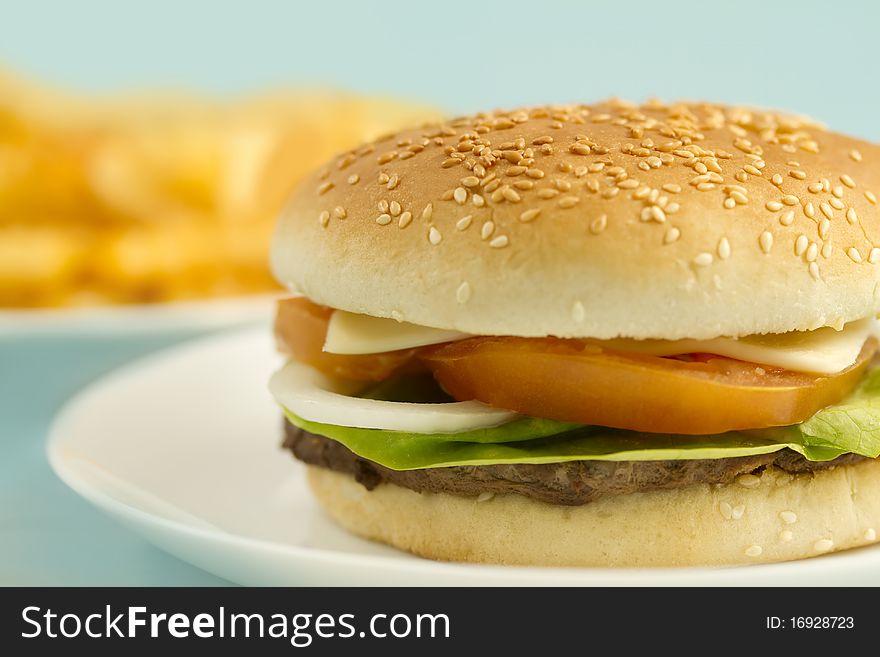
(607, 220)
(784, 517)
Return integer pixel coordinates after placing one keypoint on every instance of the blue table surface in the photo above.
(48, 534)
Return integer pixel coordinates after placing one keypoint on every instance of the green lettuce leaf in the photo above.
(852, 426)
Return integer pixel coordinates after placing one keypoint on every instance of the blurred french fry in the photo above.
(154, 198)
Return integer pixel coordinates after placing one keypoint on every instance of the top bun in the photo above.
(687, 220)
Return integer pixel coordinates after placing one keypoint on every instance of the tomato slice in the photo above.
(300, 329)
(580, 381)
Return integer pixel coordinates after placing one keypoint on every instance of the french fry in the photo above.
(154, 198)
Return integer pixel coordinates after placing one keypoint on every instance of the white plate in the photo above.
(183, 447)
(139, 318)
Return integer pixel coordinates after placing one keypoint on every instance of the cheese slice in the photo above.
(350, 333)
(823, 351)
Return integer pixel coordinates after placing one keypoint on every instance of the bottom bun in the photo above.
(774, 517)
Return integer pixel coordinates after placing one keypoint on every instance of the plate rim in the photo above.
(139, 317)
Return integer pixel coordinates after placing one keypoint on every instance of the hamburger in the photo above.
(590, 335)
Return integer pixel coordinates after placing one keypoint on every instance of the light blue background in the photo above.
(818, 58)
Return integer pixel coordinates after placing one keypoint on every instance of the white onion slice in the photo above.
(309, 394)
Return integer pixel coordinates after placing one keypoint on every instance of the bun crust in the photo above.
(608, 220)
(783, 518)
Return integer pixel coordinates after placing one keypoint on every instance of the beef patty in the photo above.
(571, 483)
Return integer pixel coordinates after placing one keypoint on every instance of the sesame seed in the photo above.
(852, 216)
(578, 313)
(837, 204)
(813, 268)
(515, 171)
(766, 241)
(393, 181)
(739, 197)
(846, 180)
(787, 219)
(773, 206)
(801, 244)
(428, 212)
(812, 252)
(827, 249)
(568, 201)
(324, 218)
(810, 209)
(741, 176)
(824, 227)
(598, 224)
(534, 173)
(405, 219)
(478, 201)
(785, 536)
(383, 219)
(487, 230)
(499, 242)
(629, 183)
(870, 534)
(529, 215)
(460, 195)
(748, 481)
(510, 194)
(854, 254)
(729, 203)
(855, 155)
(790, 199)
(723, 248)
(872, 199)
(826, 210)
(776, 179)
(874, 256)
(671, 235)
(434, 236)
(385, 158)
(325, 187)
(788, 517)
(823, 545)
(738, 512)
(703, 259)
(470, 181)
(748, 168)
(838, 192)
(353, 179)
(754, 551)
(815, 187)
(463, 293)
(547, 193)
(798, 174)
(672, 188)
(464, 222)
(395, 209)
(451, 162)
(563, 185)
